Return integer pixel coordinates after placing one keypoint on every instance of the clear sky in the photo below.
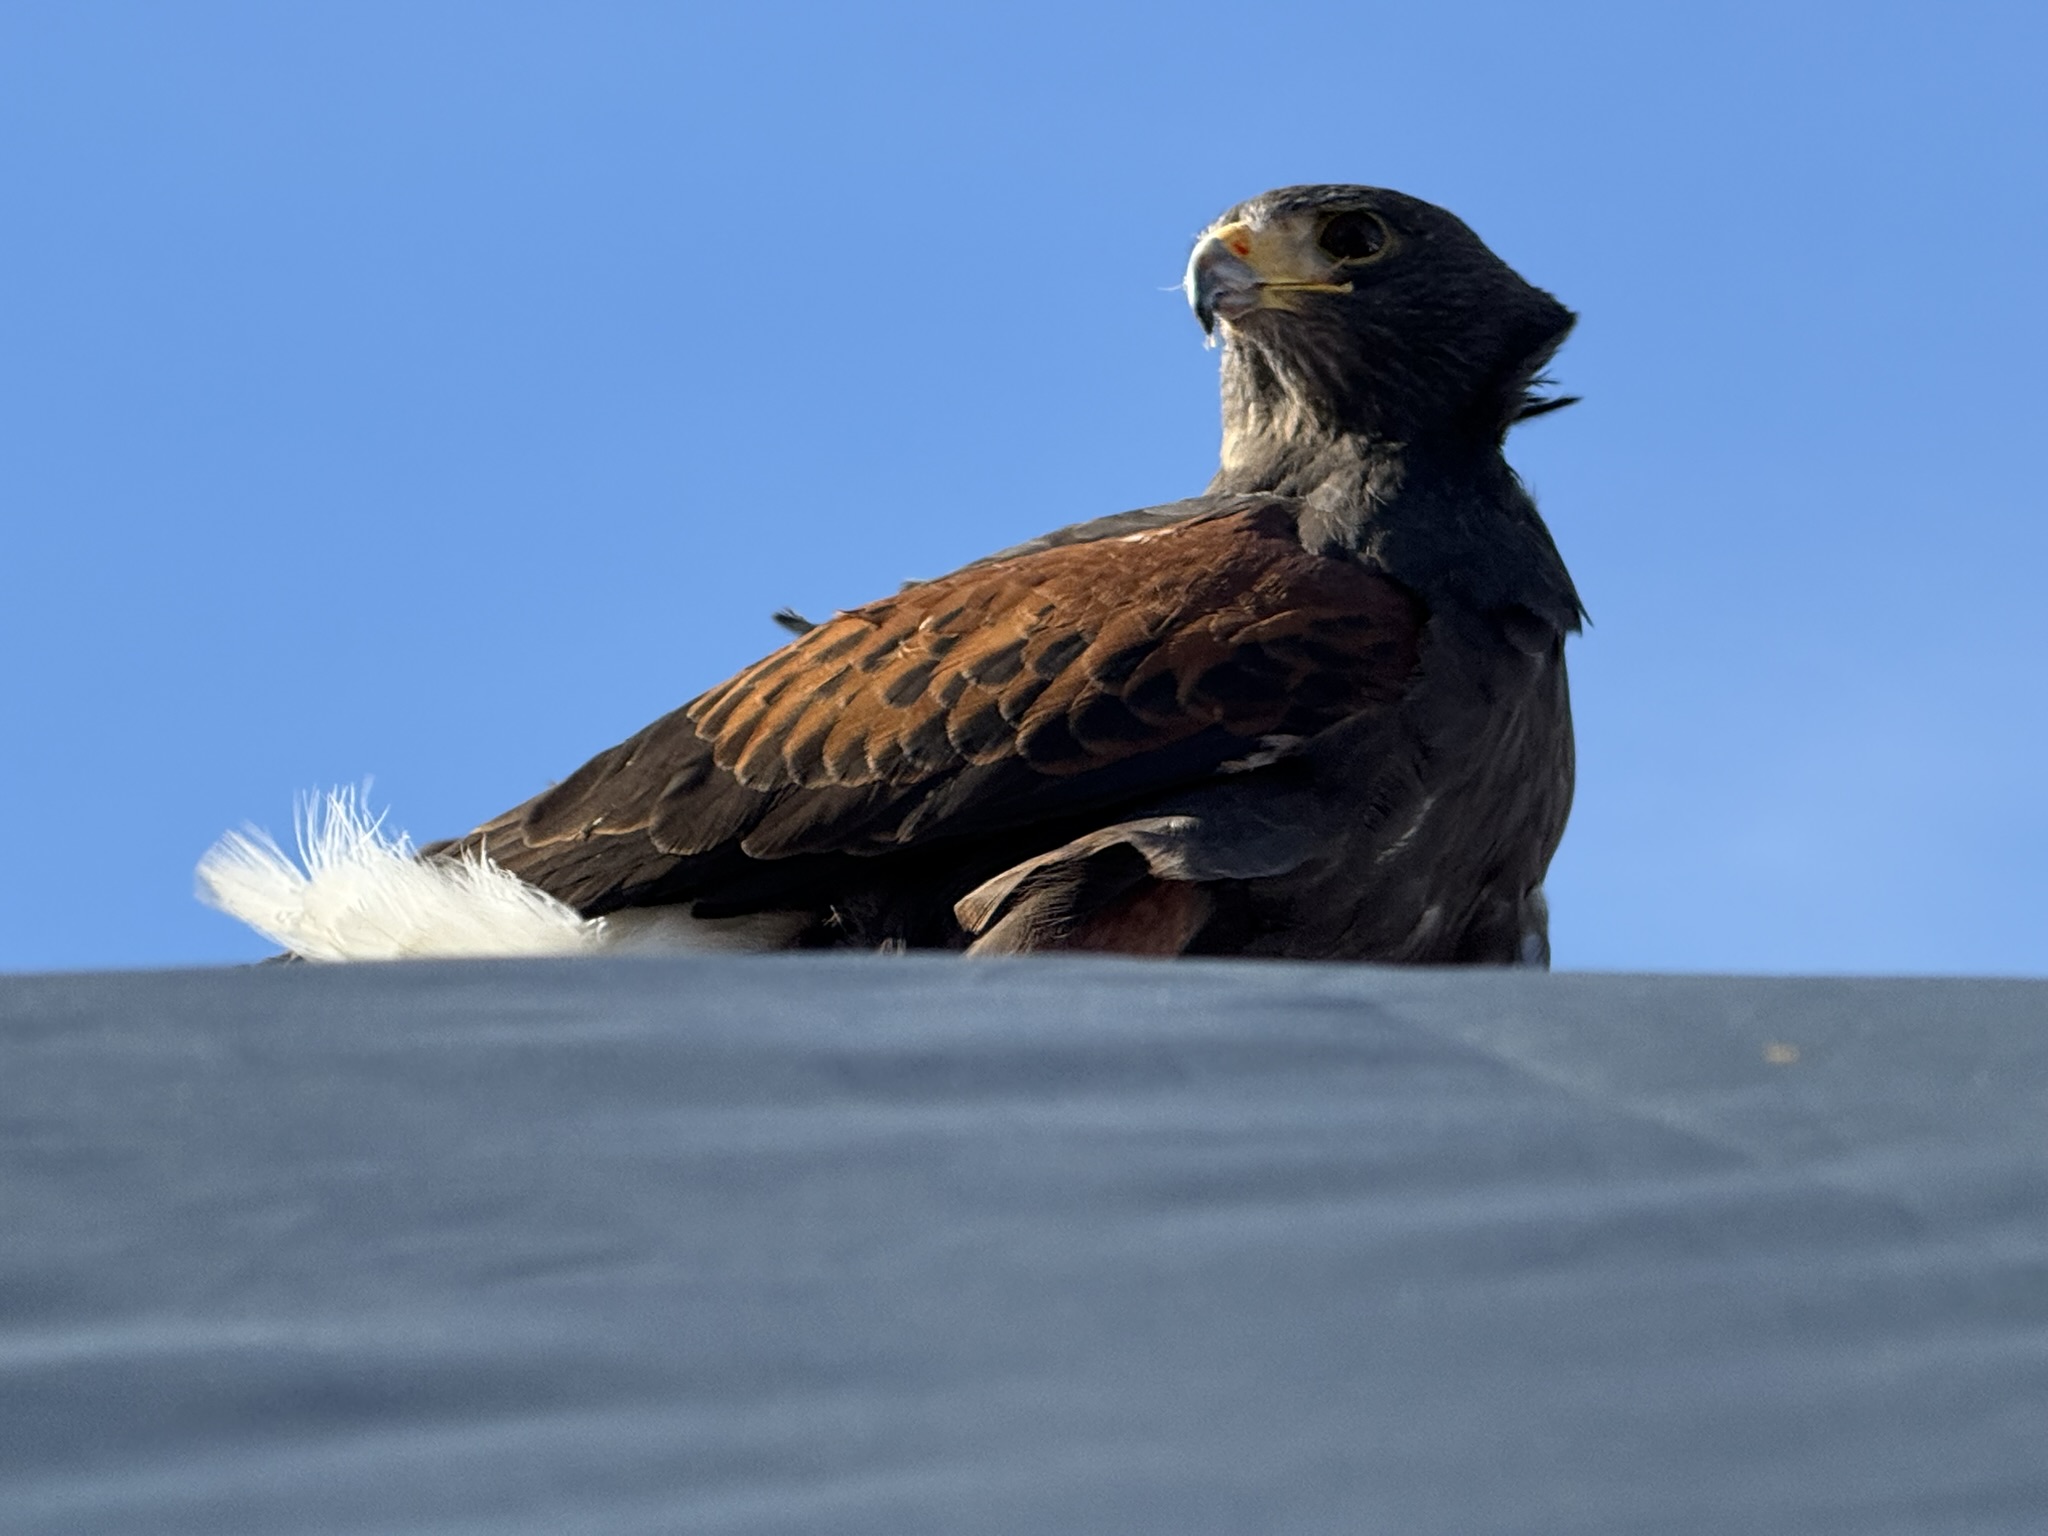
(435, 393)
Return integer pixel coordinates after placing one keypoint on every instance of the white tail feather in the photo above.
(358, 893)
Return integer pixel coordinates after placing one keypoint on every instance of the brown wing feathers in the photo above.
(1068, 659)
(1071, 676)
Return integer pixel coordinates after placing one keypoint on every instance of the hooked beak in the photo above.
(1220, 283)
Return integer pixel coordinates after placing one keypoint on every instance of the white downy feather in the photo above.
(357, 892)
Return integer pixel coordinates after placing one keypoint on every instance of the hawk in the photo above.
(1319, 711)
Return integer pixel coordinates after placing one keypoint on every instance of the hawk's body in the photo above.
(1318, 712)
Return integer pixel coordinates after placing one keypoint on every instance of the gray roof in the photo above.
(831, 1244)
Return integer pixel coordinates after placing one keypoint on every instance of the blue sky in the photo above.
(435, 393)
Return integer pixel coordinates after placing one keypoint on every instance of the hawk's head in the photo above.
(1355, 308)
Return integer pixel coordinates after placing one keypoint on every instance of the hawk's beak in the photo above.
(1220, 282)
(1236, 269)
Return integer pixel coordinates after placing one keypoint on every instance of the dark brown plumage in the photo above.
(1319, 711)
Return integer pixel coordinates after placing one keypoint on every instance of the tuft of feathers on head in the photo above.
(1534, 404)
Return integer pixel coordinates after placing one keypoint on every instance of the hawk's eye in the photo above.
(1353, 236)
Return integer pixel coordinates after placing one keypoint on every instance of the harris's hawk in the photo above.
(1318, 711)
